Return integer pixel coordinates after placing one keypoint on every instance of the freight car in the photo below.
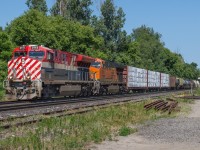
(179, 83)
(40, 72)
(138, 79)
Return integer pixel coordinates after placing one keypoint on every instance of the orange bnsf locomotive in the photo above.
(40, 72)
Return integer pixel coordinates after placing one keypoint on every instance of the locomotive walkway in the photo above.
(182, 133)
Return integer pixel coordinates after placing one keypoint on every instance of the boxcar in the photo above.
(172, 82)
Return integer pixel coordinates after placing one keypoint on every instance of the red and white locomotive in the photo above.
(37, 71)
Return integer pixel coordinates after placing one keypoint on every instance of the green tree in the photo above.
(72, 36)
(135, 54)
(3, 72)
(55, 32)
(97, 53)
(56, 9)
(39, 5)
(150, 46)
(177, 65)
(30, 28)
(109, 26)
(130, 57)
(76, 10)
(6, 47)
(191, 71)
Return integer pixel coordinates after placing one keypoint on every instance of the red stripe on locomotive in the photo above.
(24, 67)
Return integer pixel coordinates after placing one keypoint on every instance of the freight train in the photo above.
(40, 72)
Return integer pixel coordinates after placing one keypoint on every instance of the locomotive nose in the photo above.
(23, 78)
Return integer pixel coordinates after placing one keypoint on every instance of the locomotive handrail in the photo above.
(4, 82)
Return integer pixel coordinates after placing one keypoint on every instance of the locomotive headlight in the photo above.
(23, 61)
(22, 47)
(34, 47)
(28, 77)
(10, 77)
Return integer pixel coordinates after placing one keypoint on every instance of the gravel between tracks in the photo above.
(172, 133)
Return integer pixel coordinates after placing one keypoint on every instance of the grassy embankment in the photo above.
(77, 131)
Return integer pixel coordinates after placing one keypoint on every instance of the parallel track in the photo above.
(101, 102)
(19, 105)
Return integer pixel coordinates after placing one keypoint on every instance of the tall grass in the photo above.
(75, 132)
(197, 92)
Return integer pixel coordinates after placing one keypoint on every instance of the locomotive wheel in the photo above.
(85, 94)
(89, 93)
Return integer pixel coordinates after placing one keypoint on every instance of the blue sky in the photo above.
(177, 20)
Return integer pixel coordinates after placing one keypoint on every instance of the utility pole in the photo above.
(191, 85)
(60, 7)
(63, 6)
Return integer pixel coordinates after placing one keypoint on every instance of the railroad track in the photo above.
(19, 105)
(73, 106)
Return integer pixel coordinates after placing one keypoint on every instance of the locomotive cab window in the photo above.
(63, 58)
(96, 64)
(18, 54)
(36, 54)
(50, 56)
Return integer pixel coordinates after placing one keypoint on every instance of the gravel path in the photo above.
(181, 133)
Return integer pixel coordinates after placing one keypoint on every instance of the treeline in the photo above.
(70, 26)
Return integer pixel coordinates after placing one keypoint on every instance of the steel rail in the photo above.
(18, 105)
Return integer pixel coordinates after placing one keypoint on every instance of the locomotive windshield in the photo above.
(95, 64)
(17, 54)
(37, 55)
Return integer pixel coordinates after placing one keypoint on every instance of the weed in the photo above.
(197, 92)
(124, 131)
(181, 100)
(2, 93)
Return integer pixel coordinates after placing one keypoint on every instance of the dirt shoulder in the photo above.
(195, 113)
(172, 133)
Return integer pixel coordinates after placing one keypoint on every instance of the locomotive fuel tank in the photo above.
(70, 90)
